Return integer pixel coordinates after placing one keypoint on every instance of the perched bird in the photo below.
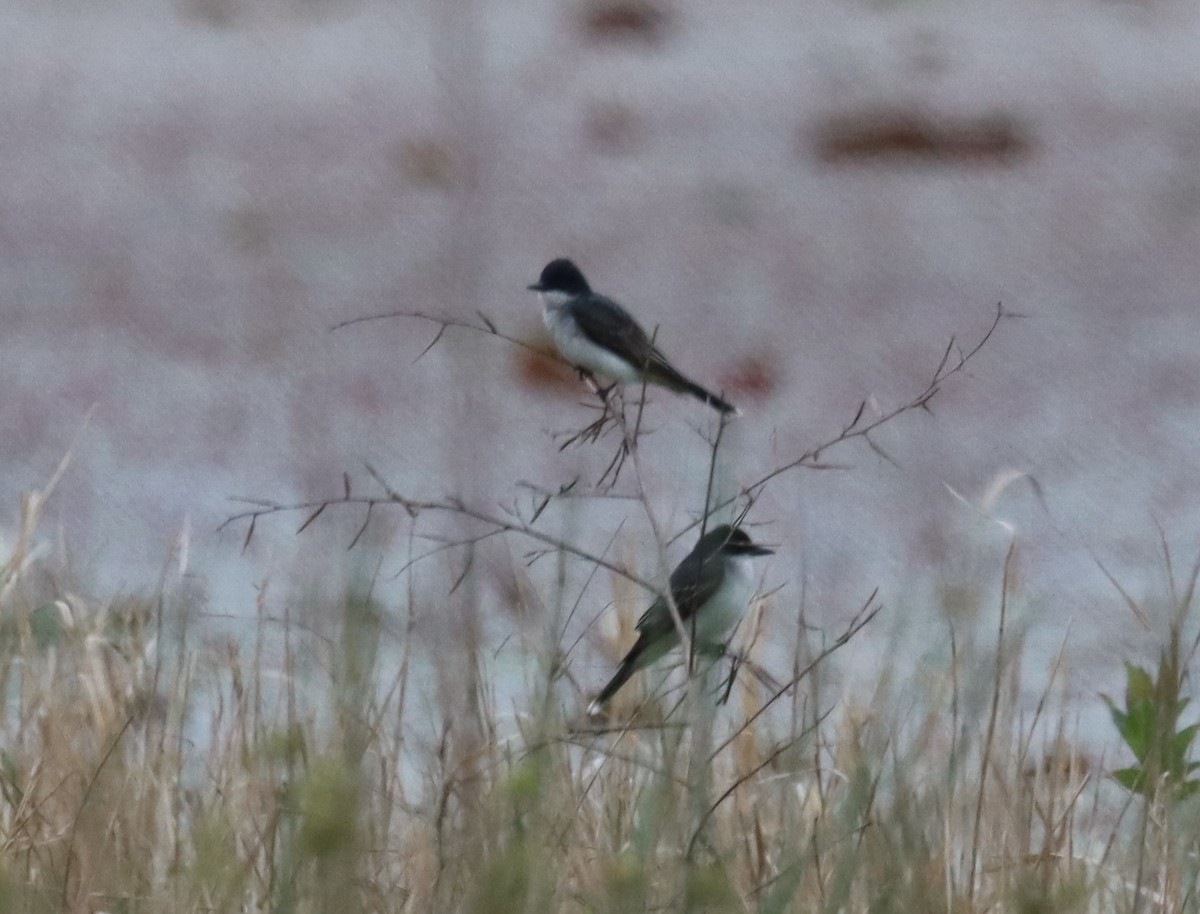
(598, 336)
(711, 588)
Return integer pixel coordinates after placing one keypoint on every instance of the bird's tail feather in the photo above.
(723, 406)
(669, 377)
(627, 668)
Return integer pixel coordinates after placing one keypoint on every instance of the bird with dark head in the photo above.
(597, 335)
(711, 589)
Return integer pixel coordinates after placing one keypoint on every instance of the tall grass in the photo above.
(371, 762)
(285, 773)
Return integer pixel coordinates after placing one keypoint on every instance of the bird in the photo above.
(598, 336)
(711, 588)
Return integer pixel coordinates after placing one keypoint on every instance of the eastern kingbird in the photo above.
(711, 588)
(597, 335)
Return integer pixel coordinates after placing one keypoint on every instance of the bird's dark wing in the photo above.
(706, 578)
(607, 324)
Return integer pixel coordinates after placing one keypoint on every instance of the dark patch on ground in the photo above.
(624, 20)
(887, 134)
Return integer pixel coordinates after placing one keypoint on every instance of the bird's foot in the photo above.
(594, 383)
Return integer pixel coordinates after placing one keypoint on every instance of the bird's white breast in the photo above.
(577, 348)
(727, 606)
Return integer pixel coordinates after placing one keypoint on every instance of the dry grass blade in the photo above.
(985, 759)
(87, 792)
(1129, 601)
(861, 619)
(767, 760)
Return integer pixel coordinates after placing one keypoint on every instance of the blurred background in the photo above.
(809, 200)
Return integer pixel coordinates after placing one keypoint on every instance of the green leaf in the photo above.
(1139, 728)
(1118, 715)
(1139, 685)
(1181, 742)
(1131, 779)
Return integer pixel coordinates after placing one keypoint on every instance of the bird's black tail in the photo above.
(627, 668)
(660, 371)
(721, 406)
(631, 664)
(663, 373)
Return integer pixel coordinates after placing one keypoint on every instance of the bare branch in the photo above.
(433, 342)
(947, 367)
(250, 500)
(856, 428)
(858, 415)
(950, 346)
(488, 328)
(448, 505)
(363, 528)
(446, 545)
(466, 569)
(712, 470)
(312, 517)
(861, 619)
(871, 443)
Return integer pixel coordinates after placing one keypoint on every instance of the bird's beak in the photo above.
(536, 287)
(756, 549)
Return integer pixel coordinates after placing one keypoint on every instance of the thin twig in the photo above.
(446, 323)
(947, 367)
(263, 508)
(861, 619)
(739, 781)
